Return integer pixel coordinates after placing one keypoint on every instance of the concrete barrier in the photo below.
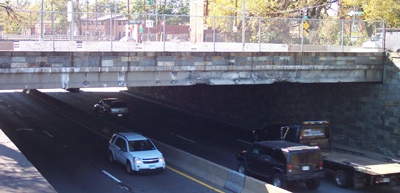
(252, 185)
(235, 181)
(219, 175)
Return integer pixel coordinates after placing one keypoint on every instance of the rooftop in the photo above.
(132, 136)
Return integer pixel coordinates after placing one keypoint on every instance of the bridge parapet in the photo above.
(100, 69)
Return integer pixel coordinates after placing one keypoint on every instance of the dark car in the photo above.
(283, 162)
(315, 133)
(111, 107)
(268, 133)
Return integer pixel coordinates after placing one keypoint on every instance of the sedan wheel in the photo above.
(111, 158)
(128, 167)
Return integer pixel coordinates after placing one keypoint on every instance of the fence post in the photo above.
(164, 31)
(302, 34)
(384, 36)
(111, 34)
(52, 27)
(214, 32)
(342, 36)
(259, 34)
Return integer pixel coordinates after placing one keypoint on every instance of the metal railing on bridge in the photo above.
(151, 32)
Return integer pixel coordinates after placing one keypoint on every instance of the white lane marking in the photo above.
(131, 118)
(178, 121)
(24, 129)
(186, 139)
(19, 113)
(112, 177)
(244, 141)
(47, 133)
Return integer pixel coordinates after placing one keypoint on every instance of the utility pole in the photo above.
(243, 26)
(96, 18)
(235, 20)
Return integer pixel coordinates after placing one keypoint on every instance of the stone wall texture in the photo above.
(362, 115)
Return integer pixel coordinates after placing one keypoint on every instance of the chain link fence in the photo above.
(51, 31)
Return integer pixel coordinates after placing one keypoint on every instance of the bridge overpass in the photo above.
(63, 69)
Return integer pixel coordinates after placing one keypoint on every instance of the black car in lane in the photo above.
(283, 162)
(268, 133)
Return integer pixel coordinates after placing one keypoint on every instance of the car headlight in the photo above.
(161, 159)
(138, 160)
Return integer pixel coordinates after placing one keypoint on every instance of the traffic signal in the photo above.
(149, 2)
(304, 13)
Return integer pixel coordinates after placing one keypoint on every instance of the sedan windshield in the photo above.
(143, 145)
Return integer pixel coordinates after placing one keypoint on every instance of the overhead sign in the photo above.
(149, 23)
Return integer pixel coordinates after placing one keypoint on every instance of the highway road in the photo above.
(209, 139)
(72, 155)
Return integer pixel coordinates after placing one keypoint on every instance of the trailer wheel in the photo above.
(343, 179)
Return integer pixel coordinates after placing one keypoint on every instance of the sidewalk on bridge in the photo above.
(17, 174)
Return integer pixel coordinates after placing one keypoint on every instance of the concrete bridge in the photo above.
(41, 69)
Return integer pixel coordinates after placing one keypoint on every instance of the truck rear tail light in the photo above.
(289, 167)
(321, 165)
(127, 110)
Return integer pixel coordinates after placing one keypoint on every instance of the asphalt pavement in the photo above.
(17, 174)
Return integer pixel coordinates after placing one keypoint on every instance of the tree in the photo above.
(375, 10)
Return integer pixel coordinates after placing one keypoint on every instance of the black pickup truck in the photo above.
(283, 162)
(351, 169)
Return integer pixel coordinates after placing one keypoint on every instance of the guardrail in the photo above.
(152, 32)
